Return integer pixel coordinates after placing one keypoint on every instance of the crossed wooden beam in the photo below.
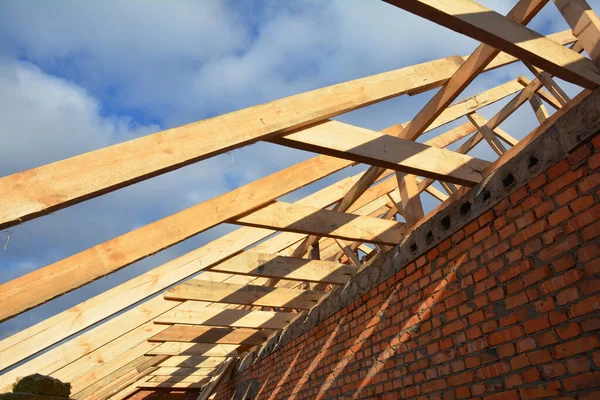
(255, 280)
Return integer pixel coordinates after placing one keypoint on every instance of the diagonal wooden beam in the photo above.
(584, 23)
(489, 136)
(385, 151)
(229, 293)
(521, 13)
(294, 218)
(538, 108)
(487, 26)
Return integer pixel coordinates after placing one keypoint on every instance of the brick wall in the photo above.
(506, 307)
(165, 395)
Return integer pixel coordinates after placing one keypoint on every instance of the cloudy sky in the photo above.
(80, 75)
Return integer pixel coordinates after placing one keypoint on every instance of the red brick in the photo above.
(461, 379)
(577, 346)
(531, 375)
(550, 389)
(578, 364)
(563, 263)
(558, 169)
(590, 325)
(588, 252)
(546, 338)
(515, 270)
(553, 370)
(510, 395)
(589, 182)
(526, 345)
(566, 196)
(591, 232)
(568, 331)
(506, 335)
(581, 204)
(537, 182)
(490, 371)
(565, 180)
(516, 300)
(537, 324)
(559, 216)
(579, 154)
(537, 275)
(559, 282)
(594, 161)
(566, 296)
(544, 208)
(582, 382)
(588, 305)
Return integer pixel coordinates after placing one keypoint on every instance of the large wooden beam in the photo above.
(228, 293)
(197, 349)
(225, 317)
(290, 268)
(522, 13)
(212, 334)
(487, 26)
(176, 371)
(584, 23)
(379, 149)
(294, 218)
(192, 362)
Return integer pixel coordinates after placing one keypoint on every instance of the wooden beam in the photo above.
(409, 195)
(290, 268)
(175, 379)
(212, 334)
(124, 388)
(214, 382)
(385, 151)
(584, 23)
(197, 349)
(538, 108)
(172, 385)
(489, 136)
(550, 84)
(487, 26)
(501, 134)
(293, 218)
(219, 292)
(225, 317)
(201, 363)
(551, 100)
(522, 13)
(348, 252)
(174, 371)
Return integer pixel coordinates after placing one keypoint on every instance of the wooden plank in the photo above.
(538, 108)
(290, 268)
(521, 13)
(174, 371)
(385, 151)
(489, 136)
(192, 362)
(584, 23)
(501, 134)
(212, 334)
(409, 194)
(214, 382)
(48, 188)
(226, 317)
(172, 385)
(197, 349)
(487, 26)
(551, 100)
(125, 389)
(294, 218)
(228, 293)
(72, 272)
(550, 84)
(348, 252)
(175, 379)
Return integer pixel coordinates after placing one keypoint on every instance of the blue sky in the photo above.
(76, 76)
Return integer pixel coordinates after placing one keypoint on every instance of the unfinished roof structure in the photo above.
(174, 328)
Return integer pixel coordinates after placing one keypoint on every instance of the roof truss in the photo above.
(253, 283)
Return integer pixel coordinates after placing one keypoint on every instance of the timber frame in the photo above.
(174, 328)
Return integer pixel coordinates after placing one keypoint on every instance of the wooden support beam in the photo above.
(214, 382)
(175, 371)
(551, 100)
(172, 385)
(198, 349)
(489, 136)
(385, 151)
(293, 218)
(538, 108)
(409, 195)
(175, 379)
(550, 84)
(219, 292)
(584, 23)
(210, 316)
(487, 26)
(501, 134)
(522, 13)
(290, 268)
(212, 334)
(348, 252)
(192, 362)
